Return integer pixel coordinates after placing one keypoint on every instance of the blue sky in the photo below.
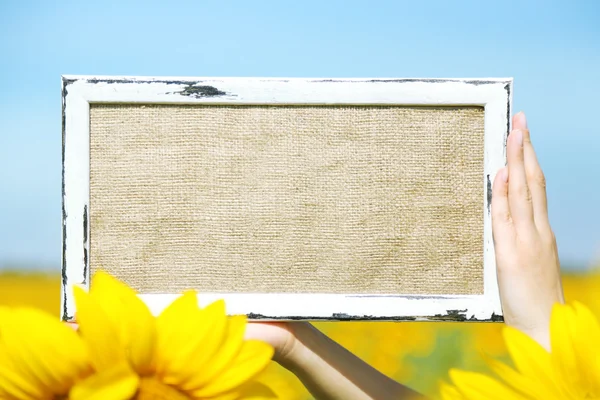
(551, 48)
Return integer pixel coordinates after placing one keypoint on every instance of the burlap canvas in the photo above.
(305, 199)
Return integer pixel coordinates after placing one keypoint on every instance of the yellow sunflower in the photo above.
(570, 371)
(187, 352)
(43, 359)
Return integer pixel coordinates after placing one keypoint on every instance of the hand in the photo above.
(280, 335)
(526, 253)
(328, 371)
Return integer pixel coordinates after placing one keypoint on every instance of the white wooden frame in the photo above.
(78, 92)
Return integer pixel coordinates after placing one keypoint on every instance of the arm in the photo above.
(526, 252)
(328, 371)
(528, 279)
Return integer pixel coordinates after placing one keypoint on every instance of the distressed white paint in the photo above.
(494, 94)
(334, 306)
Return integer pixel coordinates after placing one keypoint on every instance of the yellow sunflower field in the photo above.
(418, 354)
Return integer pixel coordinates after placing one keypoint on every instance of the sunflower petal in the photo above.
(35, 346)
(214, 329)
(574, 336)
(14, 357)
(199, 337)
(13, 384)
(17, 387)
(234, 339)
(530, 358)
(531, 388)
(119, 382)
(175, 324)
(122, 305)
(169, 322)
(249, 391)
(256, 391)
(99, 331)
(563, 331)
(449, 392)
(112, 303)
(476, 386)
(586, 346)
(250, 361)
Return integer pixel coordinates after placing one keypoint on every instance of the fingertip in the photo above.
(73, 325)
(520, 121)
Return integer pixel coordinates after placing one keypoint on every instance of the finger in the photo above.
(73, 325)
(277, 334)
(502, 228)
(519, 121)
(535, 176)
(519, 196)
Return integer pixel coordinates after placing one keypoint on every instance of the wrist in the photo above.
(331, 372)
(294, 352)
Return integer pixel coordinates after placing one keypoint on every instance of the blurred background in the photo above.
(551, 48)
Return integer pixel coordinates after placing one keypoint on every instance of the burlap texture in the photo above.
(306, 199)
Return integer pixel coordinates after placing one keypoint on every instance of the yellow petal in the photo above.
(530, 387)
(119, 382)
(230, 347)
(250, 391)
(179, 330)
(168, 322)
(530, 358)
(449, 392)
(586, 347)
(99, 331)
(45, 352)
(563, 330)
(575, 355)
(100, 290)
(250, 361)
(256, 391)
(475, 386)
(17, 387)
(198, 338)
(137, 325)
(214, 330)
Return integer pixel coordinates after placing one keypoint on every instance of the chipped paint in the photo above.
(334, 317)
(201, 91)
(507, 87)
(64, 279)
(451, 316)
(85, 244)
(474, 82)
(347, 317)
(95, 81)
(496, 318)
(192, 89)
(508, 106)
(489, 195)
